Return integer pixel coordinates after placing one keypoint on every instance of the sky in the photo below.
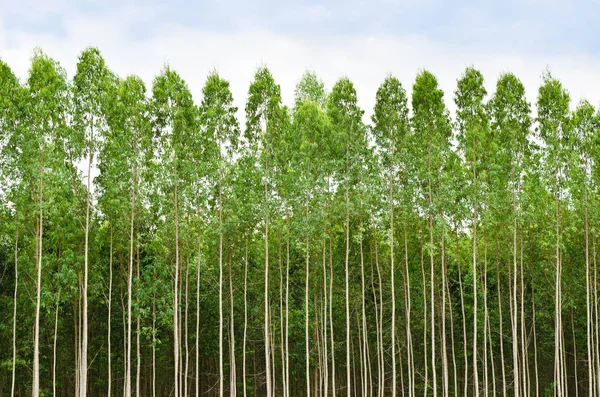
(363, 40)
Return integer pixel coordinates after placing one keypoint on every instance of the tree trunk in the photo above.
(198, 307)
(84, 331)
(233, 389)
(176, 298)
(38, 288)
(245, 316)
(475, 371)
(14, 330)
(54, 345)
(221, 376)
(393, 285)
(306, 327)
(347, 298)
(110, 281)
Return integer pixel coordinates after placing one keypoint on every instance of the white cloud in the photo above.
(194, 52)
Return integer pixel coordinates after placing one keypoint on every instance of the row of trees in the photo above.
(308, 253)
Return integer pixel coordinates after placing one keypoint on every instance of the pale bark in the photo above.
(84, 331)
(233, 389)
(14, 330)
(54, 345)
(38, 288)
(108, 337)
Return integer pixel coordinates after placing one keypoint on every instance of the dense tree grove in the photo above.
(153, 246)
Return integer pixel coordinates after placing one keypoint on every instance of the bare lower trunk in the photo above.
(176, 299)
(347, 292)
(233, 376)
(426, 381)
(138, 363)
(198, 307)
(333, 387)
(38, 289)
(245, 317)
(409, 342)
(392, 283)
(110, 280)
(84, 331)
(475, 358)
(14, 330)
(54, 345)
(306, 328)
(464, 321)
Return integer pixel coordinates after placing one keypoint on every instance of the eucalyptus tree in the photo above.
(310, 130)
(554, 130)
(510, 124)
(89, 96)
(47, 108)
(391, 127)
(264, 117)
(127, 143)
(585, 127)
(473, 138)
(217, 115)
(346, 121)
(11, 97)
(174, 119)
(432, 131)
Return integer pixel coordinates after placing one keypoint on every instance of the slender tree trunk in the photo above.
(325, 306)
(475, 370)
(380, 330)
(535, 355)
(574, 353)
(154, 349)
(524, 354)
(138, 364)
(333, 380)
(110, 281)
(267, 306)
(54, 345)
(464, 319)
(84, 332)
(245, 317)
(426, 381)
(452, 343)
(221, 376)
(432, 273)
(185, 326)
(485, 323)
(281, 316)
(515, 336)
(38, 288)
(306, 327)
(347, 298)
(287, 314)
(558, 368)
(129, 290)
(379, 342)
(363, 315)
(232, 365)
(176, 297)
(596, 325)
(502, 360)
(393, 285)
(409, 340)
(14, 330)
(444, 342)
(588, 310)
(198, 266)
